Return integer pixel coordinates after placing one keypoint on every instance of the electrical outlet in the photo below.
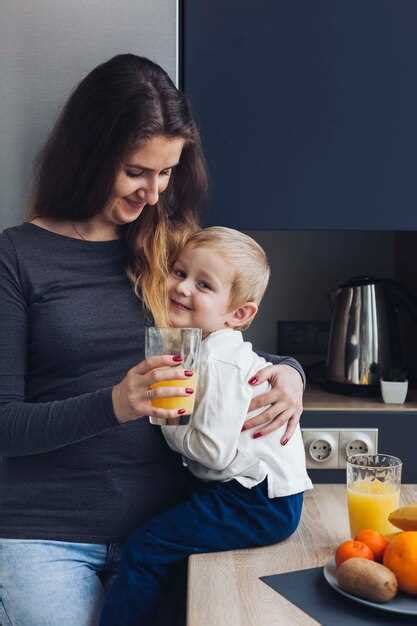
(357, 441)
(321, 447)
(328, 448)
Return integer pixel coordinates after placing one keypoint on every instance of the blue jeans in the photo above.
(58, 583)
(217, 516)
(54, 583)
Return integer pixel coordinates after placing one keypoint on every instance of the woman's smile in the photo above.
(137, 205)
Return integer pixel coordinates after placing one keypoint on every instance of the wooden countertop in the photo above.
(317, 399)
(224, 587)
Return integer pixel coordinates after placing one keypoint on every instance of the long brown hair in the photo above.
(116, 107)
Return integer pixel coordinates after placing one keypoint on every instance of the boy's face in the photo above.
(199, 288)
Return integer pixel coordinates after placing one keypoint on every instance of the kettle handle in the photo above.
(401, 297)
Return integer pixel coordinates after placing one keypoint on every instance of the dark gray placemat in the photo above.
(308, 590)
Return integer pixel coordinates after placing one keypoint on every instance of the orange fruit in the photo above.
(374, 540)
(400, 557)
(350, 548)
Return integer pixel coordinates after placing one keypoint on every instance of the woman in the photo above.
(118, 184)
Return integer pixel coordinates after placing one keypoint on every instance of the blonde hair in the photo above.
(153, 249)
(247, 258)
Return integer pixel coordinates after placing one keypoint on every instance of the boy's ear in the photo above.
(242, 315)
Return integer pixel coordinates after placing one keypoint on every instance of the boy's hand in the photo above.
(285, 399)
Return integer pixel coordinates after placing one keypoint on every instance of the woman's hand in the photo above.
(132, 396)
(285, 398)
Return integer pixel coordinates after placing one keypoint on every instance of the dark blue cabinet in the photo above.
(308, 111)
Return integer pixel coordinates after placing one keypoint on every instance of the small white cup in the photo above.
(394, 392)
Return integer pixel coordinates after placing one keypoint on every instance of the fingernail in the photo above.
(188, 390)
(181, 411)
(256, 435)
(243, 428)
(177, 358)
(188, 373)
(284, 441)
(253, 380)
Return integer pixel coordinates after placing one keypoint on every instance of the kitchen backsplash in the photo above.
(307, 265)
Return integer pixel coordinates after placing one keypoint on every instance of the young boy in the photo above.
(249, 490)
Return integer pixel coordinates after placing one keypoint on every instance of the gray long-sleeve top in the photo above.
(70, 328)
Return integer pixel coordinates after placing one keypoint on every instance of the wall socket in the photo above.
(328, 448)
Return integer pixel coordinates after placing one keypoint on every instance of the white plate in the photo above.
(400, 604)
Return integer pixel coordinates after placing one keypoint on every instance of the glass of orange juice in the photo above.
(187, 343)
(373, 491)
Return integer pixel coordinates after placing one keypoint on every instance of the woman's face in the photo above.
(142, 177)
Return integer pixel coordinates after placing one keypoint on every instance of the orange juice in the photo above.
(369, 503)
(177, 402)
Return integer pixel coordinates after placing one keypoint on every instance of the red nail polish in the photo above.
(181, 411)
(256, 435)
(284, 442)
(243, 428)
(188, 390)
(253, 380)
(177, 358)
(188, 373)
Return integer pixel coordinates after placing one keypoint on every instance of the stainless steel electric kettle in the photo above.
(364, 339)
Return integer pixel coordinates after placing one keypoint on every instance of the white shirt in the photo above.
(213, 443)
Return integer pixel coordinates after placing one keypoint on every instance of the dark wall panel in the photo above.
(396, 435)
(308, 111)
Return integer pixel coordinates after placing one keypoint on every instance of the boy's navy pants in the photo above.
(217, 516)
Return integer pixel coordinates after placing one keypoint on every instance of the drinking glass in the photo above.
(187, 343)
(373, 491)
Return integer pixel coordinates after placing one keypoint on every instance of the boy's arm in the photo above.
(212, 435)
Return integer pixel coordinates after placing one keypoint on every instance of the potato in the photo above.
(367, 579)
